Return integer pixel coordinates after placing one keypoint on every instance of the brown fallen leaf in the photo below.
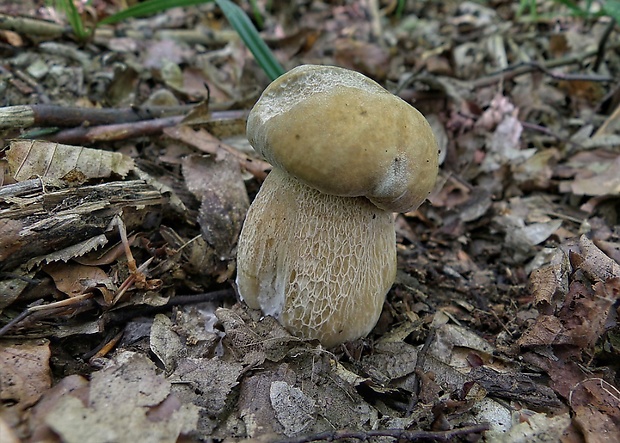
(121, 399)
(75, 279)
(73, 164)
(549, 285)
(24, 372)
(209, 144)
(595, 425)
(594, 262)
(218, 184)
(73, 385)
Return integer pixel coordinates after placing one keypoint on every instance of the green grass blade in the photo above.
(235, 16)
(574, 8)
(73, 16)
(248, 33)
(612, 9)
(258, 18)
(149, 7)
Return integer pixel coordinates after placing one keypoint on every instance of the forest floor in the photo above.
(125, 178)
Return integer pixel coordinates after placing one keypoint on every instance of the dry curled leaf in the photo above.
(594, 262)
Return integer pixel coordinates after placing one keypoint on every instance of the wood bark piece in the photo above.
(42, 219)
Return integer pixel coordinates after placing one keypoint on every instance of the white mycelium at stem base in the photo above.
(317, 250)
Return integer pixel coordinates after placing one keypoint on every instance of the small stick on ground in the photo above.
(399, 434)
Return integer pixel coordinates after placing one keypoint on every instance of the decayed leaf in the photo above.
(73, 385)
(11, 288)
(594, 262)
(165, 343)
(255, 342)
(451, 340)
(24, 372)
(394, 360)
(597, 426)
(205, 142)
(255, 403)
(514, 386)
(127, 402)
(605, 182)
(75, 279)
(218, 184)
(579, 322)
(211, 381)
(538, 428)
(549, 285)
(595, 173)
(536, 172)
(294, 409)
(73, 164)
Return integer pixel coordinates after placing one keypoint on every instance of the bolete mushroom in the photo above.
(317, 249)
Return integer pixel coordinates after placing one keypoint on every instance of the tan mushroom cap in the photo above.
(341, 133)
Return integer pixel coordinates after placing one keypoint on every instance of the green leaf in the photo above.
(149, 7)
(248, 33)
(612, 9)
(73, 16)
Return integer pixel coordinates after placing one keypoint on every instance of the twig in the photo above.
(571, 77)
(123, 316)
(40, 310)
(399, 434)
(116, 132)
(25, 313)
(46, 30)
(201, 35)
(104, 348)
(41, 94)
(526, 68)
(206, 142)
(600, 54)
(419, 369)
(67, 117)
(62, 303)
(45, 116)
(33, 27)
(550, 133)
(136, 274)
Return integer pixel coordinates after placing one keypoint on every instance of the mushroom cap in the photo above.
(341, 133)
(321, 264)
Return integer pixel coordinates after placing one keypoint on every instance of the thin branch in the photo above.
(44, 116)
(126, 314)
(115, 132)
(526, 68)
(600, 54)
(390, 433)
(39, 29)
(33, 26)
(119, 316)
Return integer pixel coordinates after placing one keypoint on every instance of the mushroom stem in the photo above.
(321, 264)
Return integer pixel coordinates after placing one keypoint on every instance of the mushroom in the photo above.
(318, 250)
